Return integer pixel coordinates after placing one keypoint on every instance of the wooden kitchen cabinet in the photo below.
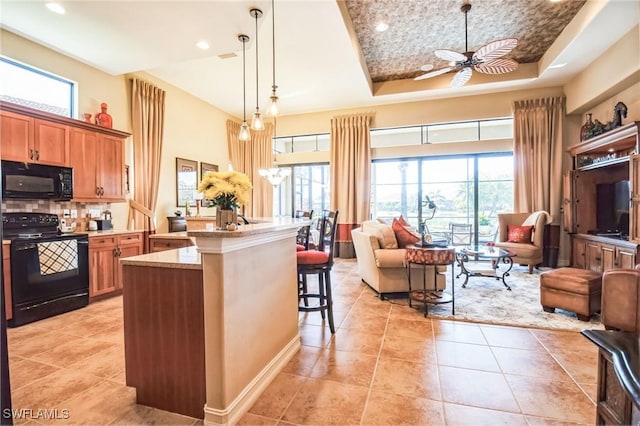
(105, 251)
(6, 273)
(98, 166)
(32, 140)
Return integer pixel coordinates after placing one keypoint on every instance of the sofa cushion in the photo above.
(384, 233)
(404, 237)
(519, 233)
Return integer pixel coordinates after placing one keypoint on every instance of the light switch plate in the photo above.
(74, 213)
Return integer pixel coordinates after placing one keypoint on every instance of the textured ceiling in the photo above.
(418, 27)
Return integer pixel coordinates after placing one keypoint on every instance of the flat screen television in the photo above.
(612, 207)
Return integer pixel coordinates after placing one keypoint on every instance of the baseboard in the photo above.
(245, 400)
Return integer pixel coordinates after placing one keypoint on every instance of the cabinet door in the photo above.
(16, 137)
(568, 205)
(51, 143)
(608, 257)
(625, 258)
(111, 167)
(634, 206)
(593, 256)
(578, 259)
(102, 265)
(6, 273)
(83, 159)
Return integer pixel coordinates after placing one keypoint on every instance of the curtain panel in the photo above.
(147, 119)
(248, 157)
(350, 171)
(537, 176)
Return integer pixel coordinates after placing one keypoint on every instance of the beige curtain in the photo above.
(350, 167)
(248, 157)
(147, 119)
(538, 155)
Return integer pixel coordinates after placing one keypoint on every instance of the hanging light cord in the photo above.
(255, 14)
(244, 82)
(273, 26)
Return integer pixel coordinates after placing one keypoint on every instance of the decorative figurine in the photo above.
(87, 117)
(102, 118)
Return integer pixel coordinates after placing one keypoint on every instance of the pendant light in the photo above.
(257, 123)
(273, 109)
(275, 175)
(244, 128)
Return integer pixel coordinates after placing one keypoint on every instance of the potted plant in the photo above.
(226, 191)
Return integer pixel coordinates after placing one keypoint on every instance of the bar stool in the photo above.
(302, 239)
(319, 262)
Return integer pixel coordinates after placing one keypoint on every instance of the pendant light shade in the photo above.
(273, 109)
(257, 123)
(244, 135)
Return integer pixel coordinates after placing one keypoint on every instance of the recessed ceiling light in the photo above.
(552, 67)
(56, 8)
(382, 26)
(203, 44)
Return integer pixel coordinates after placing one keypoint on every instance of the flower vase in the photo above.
(224, 217)
(586, 129)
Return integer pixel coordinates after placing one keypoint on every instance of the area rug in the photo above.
(486, 300)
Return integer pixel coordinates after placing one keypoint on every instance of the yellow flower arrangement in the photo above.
(228, 190)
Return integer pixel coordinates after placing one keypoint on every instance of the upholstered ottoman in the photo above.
(572, 289)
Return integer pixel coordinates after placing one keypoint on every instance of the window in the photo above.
(306, 189)
(305, 143)
(464, 131)
(470, 189)
(25, 85)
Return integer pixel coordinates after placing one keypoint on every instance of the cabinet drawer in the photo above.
(102, 241)
(126, 239)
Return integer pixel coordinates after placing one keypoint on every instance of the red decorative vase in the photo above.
(102, 118)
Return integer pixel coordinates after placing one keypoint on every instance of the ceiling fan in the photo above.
(487, 60)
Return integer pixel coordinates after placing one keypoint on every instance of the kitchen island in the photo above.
(249, 313)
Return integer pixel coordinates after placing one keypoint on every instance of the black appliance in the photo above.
(28, 181)
(612, 209)
(49, 270)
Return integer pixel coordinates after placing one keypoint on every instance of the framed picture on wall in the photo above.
(204, 168)
(186, 181)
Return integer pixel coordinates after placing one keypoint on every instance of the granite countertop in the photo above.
(171, 235)
(182, 258)
(259, 226)
(110, 232)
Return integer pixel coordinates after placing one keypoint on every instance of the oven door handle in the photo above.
(83, 242)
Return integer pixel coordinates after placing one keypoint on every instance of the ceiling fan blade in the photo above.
(434, 73)
(426, 68)
(450, 55)
(497, 66)
(461, 77)
(495, 49)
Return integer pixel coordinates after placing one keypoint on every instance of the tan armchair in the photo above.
(621, 299)
(529, 253)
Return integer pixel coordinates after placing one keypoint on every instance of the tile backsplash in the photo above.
(57, 207)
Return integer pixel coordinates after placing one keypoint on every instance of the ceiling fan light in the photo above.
(244, 135)
(257, 123)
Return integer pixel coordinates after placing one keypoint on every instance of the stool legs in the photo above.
(324, 296)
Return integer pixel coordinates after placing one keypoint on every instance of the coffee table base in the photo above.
(491, 272)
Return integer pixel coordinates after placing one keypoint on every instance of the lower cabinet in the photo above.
(105, 251)
(6, 273)
(602, 254)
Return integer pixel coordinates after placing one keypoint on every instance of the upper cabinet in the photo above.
(95, 153)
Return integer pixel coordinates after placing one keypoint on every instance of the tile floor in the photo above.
(386, 364)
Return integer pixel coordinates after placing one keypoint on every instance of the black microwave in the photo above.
(28, 181)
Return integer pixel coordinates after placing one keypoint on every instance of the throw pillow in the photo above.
(519, 233)
(403, 221)
(384, 233)
(403, 235)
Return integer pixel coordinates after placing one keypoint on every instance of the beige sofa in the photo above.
(382, 266)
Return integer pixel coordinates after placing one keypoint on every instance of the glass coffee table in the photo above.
(484, 261)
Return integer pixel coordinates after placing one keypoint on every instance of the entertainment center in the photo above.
(601, 208)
